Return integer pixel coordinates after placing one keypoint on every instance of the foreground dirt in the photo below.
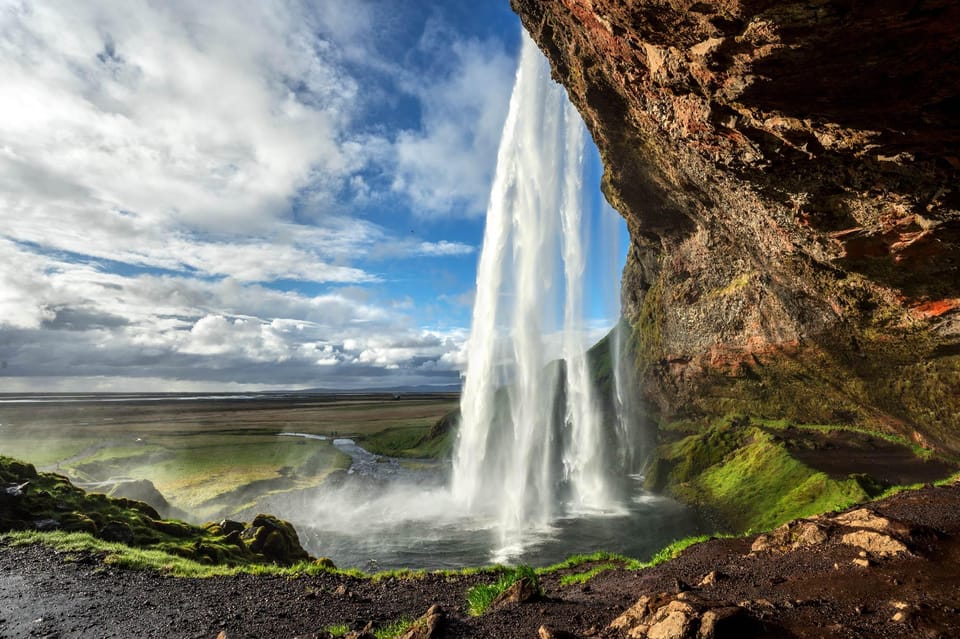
(782, 589)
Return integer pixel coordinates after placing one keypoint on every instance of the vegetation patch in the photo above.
(337, 629)
(481, 596)
(33, 503)
(424, 440)
(584, 577)
(393, 629)
(743, 469)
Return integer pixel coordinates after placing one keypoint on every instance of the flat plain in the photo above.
(210, 456)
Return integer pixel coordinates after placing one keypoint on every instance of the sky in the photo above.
(204, 196)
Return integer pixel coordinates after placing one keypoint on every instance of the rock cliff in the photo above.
(790, 176)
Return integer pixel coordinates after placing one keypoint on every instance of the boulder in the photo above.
(875, 543)
(864, 518)
(117, 531)
(673, 621)
(732, 622)
(684, 616)
(794, 535)
(78, 522)
(276, 539)
(228, 526)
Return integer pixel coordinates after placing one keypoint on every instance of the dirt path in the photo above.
(814, 591)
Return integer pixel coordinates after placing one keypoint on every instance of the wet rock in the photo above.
(117, 531)
(522, 591)
(325, 562)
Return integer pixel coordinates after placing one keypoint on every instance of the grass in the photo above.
(481, 596)
(393, 629)
(739, 468)
(201, 455)
(761, 486)
(337, 629)
(584, 577)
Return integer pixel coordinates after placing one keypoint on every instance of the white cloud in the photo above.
(61, 318)
(155, 108)
(165, 167)
(447, 167)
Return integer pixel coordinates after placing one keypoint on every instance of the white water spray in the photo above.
(533, 440)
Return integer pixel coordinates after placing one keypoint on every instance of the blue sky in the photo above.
(216, 195)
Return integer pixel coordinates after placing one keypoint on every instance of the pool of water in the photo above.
(387, 513)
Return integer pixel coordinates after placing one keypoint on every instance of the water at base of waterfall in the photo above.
(432, 537)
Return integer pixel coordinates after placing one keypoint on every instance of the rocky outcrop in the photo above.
(789, 175)
(47, 502)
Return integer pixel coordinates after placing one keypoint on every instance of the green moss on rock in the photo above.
(46, 501)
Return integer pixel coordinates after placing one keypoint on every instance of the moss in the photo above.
(741, 470)
(647, 334)
(760, 486)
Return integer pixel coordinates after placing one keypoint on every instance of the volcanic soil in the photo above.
(828, 588)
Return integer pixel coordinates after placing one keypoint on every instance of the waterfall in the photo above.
(534, 440)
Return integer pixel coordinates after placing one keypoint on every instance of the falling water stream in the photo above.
(545, 461)
(533, 436)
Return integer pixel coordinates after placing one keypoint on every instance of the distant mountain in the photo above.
(423, 388)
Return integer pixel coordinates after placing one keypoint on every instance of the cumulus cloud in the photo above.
(59, 318)
(166, 169)
(446, 167)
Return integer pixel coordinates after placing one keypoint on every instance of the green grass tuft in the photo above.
(573, 561)
(481, 596)
(337, 629)
(394, 629)
(584, 577)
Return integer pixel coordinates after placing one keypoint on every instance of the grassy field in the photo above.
(209, 457)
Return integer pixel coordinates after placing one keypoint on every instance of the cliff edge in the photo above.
(790, 176)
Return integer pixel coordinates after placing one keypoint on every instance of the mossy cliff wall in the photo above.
(790, 176)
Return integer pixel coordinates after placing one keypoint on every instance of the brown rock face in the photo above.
(790, 175)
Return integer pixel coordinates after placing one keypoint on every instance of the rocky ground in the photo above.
(889, 570)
